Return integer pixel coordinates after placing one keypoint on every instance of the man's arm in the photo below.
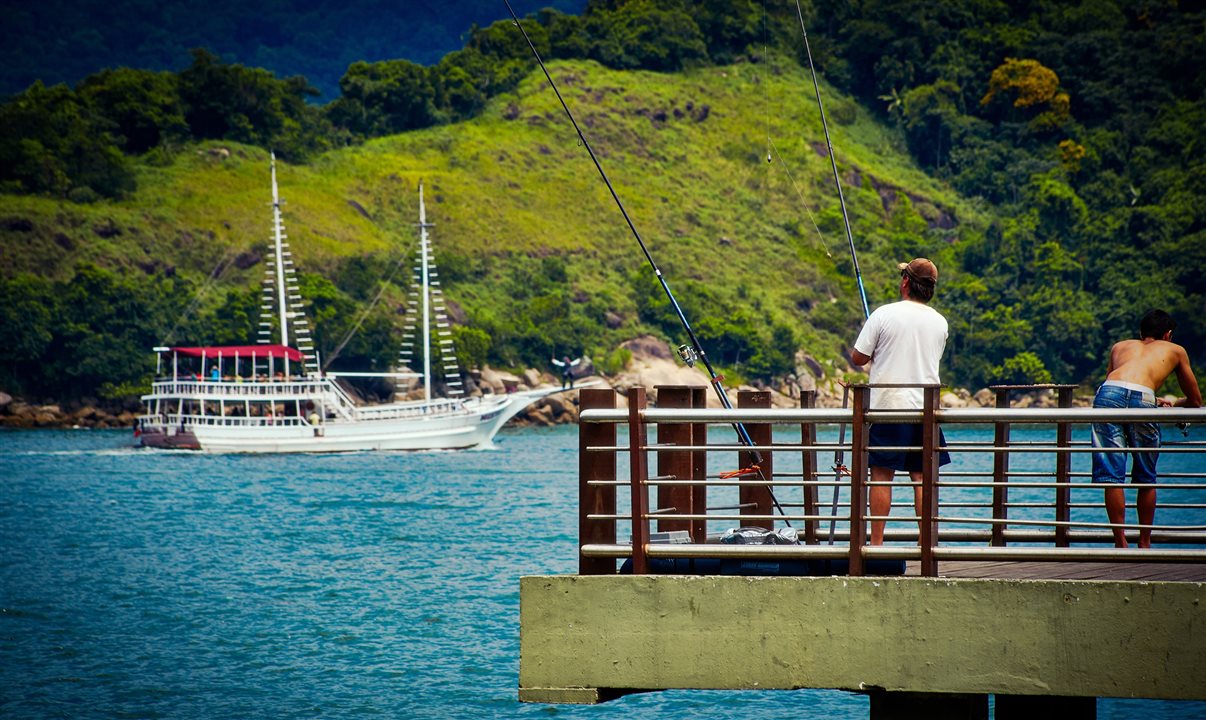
(1188, 383)
(868, 338)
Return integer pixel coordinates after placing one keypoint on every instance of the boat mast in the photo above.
(280, 262)
(423, 255)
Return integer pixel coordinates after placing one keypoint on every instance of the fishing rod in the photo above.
(839, 466)
(858, 275)
(693, 352)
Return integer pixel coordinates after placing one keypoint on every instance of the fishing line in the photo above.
(694, 352)
(839, 467)
(824, 243)
(766, 86)
(364, 315)
(210, 280)
(833, 161)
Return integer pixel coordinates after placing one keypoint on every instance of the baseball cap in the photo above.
(920, 269)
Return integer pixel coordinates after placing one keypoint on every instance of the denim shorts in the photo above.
(901, 435)
(1110, 467)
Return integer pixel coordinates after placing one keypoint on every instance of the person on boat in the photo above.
(214, 374)
(1135, 369)
(567, 370)
(904, 342)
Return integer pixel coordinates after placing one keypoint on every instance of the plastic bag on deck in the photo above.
(760, 536)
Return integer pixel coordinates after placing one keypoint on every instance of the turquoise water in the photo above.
(175, 585)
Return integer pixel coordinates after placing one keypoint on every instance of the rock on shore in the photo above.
(653, 363)
(17, 414)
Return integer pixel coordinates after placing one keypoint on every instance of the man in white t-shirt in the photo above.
(903, 342)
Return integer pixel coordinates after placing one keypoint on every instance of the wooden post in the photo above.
(678, 463)
(1063, 465)
(928, 536)
(638, 478)
(808, 436)
(596, 465)
(699, 467)
(759, 496)
(1000, 473)
(860, 401)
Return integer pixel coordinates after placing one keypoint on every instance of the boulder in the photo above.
(806, 362)
(85, 414)
(654, 363)
(540, 415)
(985, 397)
(952, 400)
(5, 400)
(556, 405)
(501, 382)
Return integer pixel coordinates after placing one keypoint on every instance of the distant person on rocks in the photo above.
(1135, 370)
(904, 342)
(567, 370)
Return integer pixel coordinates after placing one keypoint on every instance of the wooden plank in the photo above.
(1006, 570)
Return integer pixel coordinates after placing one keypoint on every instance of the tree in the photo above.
(250, 105)
(383, 98)
(931, 121)
(51, 142)
(144, 106)
(1032, 87)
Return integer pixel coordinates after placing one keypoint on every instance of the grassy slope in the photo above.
(515, 182)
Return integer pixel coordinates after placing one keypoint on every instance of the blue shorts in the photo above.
(896, 435)
(1110, 467)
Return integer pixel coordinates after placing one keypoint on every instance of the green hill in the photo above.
(533, 248)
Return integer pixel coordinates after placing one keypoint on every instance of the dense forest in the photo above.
(61, 41)
(1073, 133)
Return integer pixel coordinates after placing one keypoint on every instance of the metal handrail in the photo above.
(758, 484)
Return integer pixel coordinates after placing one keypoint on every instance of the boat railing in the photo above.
(306, 387)
(192, 420)
(1023, 496)
(408, 410)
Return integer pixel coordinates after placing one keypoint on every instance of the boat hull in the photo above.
(475, 424)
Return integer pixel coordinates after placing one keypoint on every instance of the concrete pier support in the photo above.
(1032, 707)
(915, 645)
(928, 706)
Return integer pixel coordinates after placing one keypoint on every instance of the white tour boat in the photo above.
(272, 397)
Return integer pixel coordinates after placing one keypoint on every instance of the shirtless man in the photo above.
(1136, 369)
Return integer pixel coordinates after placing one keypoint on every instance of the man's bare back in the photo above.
(1149, 362)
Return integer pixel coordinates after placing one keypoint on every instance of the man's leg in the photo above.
(1146, 504)
(1143, 474)
(881, 501)
(1109, 468)
(1115, 502)
(916, 476)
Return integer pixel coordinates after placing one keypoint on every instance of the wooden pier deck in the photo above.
(1146, 572)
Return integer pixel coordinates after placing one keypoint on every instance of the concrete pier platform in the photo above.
(921, 647)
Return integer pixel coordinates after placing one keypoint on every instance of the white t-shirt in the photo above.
(905, 341)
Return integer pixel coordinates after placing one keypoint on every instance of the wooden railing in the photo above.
(674, 497)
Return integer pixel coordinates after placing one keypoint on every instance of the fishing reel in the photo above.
(688, 354)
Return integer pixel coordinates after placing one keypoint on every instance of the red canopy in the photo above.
(241, 351)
